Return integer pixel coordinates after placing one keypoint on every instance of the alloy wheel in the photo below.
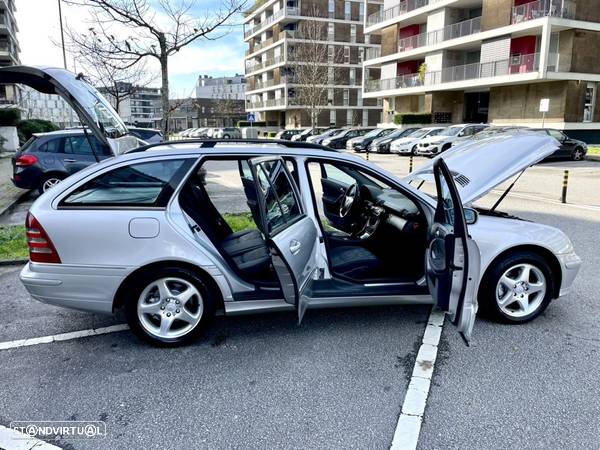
(169, 308)
(50, 182)
(577, 154)
(521, 290)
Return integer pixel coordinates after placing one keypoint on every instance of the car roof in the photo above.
(72, 131)
(144, 129)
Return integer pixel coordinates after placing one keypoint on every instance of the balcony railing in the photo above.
(515, 65)
(287, 11)
(269, 103)
(454, 31)
(542, 8)
(373, 52)
(404, 7)
(269, 62)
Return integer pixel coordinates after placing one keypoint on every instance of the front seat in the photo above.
(355, 262)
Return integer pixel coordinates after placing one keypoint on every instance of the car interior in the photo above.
(373, 232)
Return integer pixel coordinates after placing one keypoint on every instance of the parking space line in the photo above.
(406, 436)
(62, 337)
(14, 440)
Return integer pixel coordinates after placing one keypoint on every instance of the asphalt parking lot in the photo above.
(337, 381)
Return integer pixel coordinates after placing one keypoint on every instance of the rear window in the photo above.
(27, 144)
(148, 184)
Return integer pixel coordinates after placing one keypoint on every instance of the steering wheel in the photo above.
(348, 200)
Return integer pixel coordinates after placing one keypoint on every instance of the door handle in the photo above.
(69, 160)
(295, 246)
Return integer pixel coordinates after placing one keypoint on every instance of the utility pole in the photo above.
(62, 34)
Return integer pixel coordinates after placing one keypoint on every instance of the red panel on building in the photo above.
(407, 67)
(409, 31)
(521, 2)
(522, 54)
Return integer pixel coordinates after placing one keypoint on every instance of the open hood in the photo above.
(92, 108)
(480, 166)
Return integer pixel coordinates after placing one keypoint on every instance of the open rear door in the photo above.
(290, 234)
(453, 258)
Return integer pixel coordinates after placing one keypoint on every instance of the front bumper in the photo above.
(428, 151)
(401, 150)
(570, 264)
(85, 288)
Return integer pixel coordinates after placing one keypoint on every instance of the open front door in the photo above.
(452, 256)
(290, 234)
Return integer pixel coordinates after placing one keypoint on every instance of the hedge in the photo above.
(9, 117)
(412, 118)
(26, 128)
(245, 123)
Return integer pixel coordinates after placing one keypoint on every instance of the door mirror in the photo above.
(471, 216)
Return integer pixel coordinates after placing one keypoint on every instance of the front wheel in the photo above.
(169, 306)
(517, 289)
(577, 154)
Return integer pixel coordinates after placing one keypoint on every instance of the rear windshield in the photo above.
(144, 184)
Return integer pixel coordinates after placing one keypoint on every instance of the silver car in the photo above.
(151, 233)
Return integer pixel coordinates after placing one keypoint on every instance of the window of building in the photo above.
(330, 79)
(349, 117)
(332, 117)
(346, 97)
(330, 53)
(352, 76)
(353, 33)
(365, 118)
(144, 184)
(361, 54)
(346, 54)
(331, 8)
(331, 32)
(330, 96)
(590, 102)
(347, 10)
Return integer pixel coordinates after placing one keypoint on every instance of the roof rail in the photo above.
(210, 143)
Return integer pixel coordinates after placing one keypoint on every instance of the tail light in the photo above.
(41, 248)
(26, 160)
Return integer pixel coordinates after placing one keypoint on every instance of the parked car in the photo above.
(304, 135)
(361, 143)
(434, 145)
(338, 141)
(286, 135)
(167, 257)
(408, 145)
(185, 133)
(149, 135)
(573, 149)
(382, 144)
(319, 138)
(198, 133)
(48, 158)
(227, 133)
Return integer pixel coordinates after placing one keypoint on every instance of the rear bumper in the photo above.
(85, 288)
(570, 264)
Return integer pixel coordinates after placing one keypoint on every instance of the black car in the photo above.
(302, 137)
(569, 148)
(339, 140)
(286, 135)
(47, 158)
(361, 144)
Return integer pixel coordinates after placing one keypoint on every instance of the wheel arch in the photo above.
(119, 299)
(548, 255)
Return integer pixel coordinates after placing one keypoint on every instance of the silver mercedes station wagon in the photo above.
(175, 232)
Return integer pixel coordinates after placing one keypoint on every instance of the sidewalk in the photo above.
(8, 192)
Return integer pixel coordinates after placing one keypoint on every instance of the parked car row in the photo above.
(214, 133)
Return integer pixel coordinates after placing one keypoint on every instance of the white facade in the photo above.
(9, 49)
(230, 88)
(51, 107)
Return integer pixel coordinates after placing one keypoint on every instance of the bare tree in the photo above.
(227, 109)
(313, 66)
(155, 29)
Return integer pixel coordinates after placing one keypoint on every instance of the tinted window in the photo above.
(281, 204)
(144, 184)
(78, 145)
(556, 134)
(50, 146)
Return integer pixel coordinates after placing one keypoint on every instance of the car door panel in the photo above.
(452, 258)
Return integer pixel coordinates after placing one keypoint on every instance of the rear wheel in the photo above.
(49, 182)
(577, 154)
(169, 306)
(517, 289)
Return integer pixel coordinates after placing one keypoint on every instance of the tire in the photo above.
(536, 293)
(187, 319)
(226, 136)
(578, 154)
(413, 151)
(48, 181)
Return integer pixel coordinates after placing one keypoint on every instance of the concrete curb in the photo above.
(593, 157)
(13, 262)
(18, 197)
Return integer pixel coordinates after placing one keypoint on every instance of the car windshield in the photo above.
(419, 133)
(450, 131)
(436, 132)
(374, 133)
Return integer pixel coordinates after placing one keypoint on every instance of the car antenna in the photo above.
(507, 190)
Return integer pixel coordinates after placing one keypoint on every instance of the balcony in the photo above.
(515, 65)
(454, 31)
(261, 65)
(543, 8)
(287, 11)
(404, 7)
(269, 103)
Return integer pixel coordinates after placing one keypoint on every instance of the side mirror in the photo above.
(471, 216)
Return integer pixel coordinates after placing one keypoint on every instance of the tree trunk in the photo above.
(164, 92)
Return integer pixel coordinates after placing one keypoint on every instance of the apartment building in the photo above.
(487, 61)
(37, 105)
(140, 106)
(9, 49)
(275, 33)
(229, 88)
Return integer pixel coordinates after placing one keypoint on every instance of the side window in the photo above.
(143, 184)
(281, 203)
(77, 145)
(556, 134)
(333, 173)
(51, 146)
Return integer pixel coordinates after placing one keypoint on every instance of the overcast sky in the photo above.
(39, 29)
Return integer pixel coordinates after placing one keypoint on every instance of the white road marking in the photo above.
(14, 440)
(408, 428)
(62, 337)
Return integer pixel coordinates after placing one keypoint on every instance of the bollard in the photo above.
(564, 187)
(410, 164)
(367, 152)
